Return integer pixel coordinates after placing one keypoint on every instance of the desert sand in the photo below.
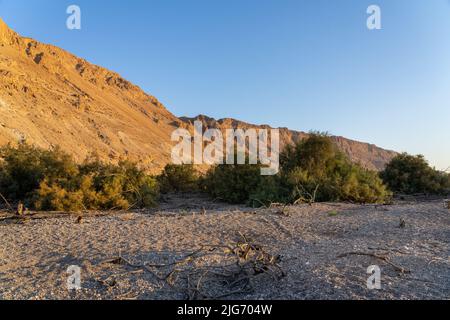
(179, 251)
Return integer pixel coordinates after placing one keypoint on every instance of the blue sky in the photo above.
(288, 63)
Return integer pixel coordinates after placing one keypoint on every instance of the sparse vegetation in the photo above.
(51, 180)
(313, 170)
(333, 213)
(409, 174)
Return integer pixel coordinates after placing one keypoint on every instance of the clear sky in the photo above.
(305, 65)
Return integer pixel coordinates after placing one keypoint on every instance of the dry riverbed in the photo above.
(192, 248)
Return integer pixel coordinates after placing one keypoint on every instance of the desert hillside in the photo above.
(368, 155)
(50, 97)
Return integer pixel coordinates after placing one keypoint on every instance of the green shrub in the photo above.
(412, 175)
(25, 167)
(178, 178)
(51, 180)
(271, 189)
(363, 186)
(314, 154)
(232, 183)
(315, 170)
(54, 197)
(312, 170)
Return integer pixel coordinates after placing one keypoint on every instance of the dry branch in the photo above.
(193, 276)
(377, 256)
(6, 202)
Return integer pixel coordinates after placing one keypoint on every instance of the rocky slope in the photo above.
(368, 155)
(50, 97)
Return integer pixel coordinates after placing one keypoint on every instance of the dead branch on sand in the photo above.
(6, 202)
(305, 196)
(377, 256)
(198, 279)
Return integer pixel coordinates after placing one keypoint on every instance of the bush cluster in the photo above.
(178, 178)
(312, 170)
(51, 180)
(413, 175)
(232, 183)
(315, 169)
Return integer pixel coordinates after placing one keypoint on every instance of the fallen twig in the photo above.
(276, 224)
(377, 256)
(7, 203)
(246, 260)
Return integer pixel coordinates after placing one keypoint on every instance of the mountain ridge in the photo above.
(50, 97)
(368, 155)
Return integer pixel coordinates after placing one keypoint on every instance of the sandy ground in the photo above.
(178, 252)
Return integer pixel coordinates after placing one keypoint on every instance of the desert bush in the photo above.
(51, 180)
(232, 183)
(178, 178)
(362, 186)
(54, 197)
(270, 189)
(23, 169)
(412, 175)
(315, 170)
(313, 154)
(136, 187)
(312, 170)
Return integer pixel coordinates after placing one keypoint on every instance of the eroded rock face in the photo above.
(368, 155)
(7, 36)
(50, 97)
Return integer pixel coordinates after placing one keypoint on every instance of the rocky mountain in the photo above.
(50, 97)
(368, 155)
